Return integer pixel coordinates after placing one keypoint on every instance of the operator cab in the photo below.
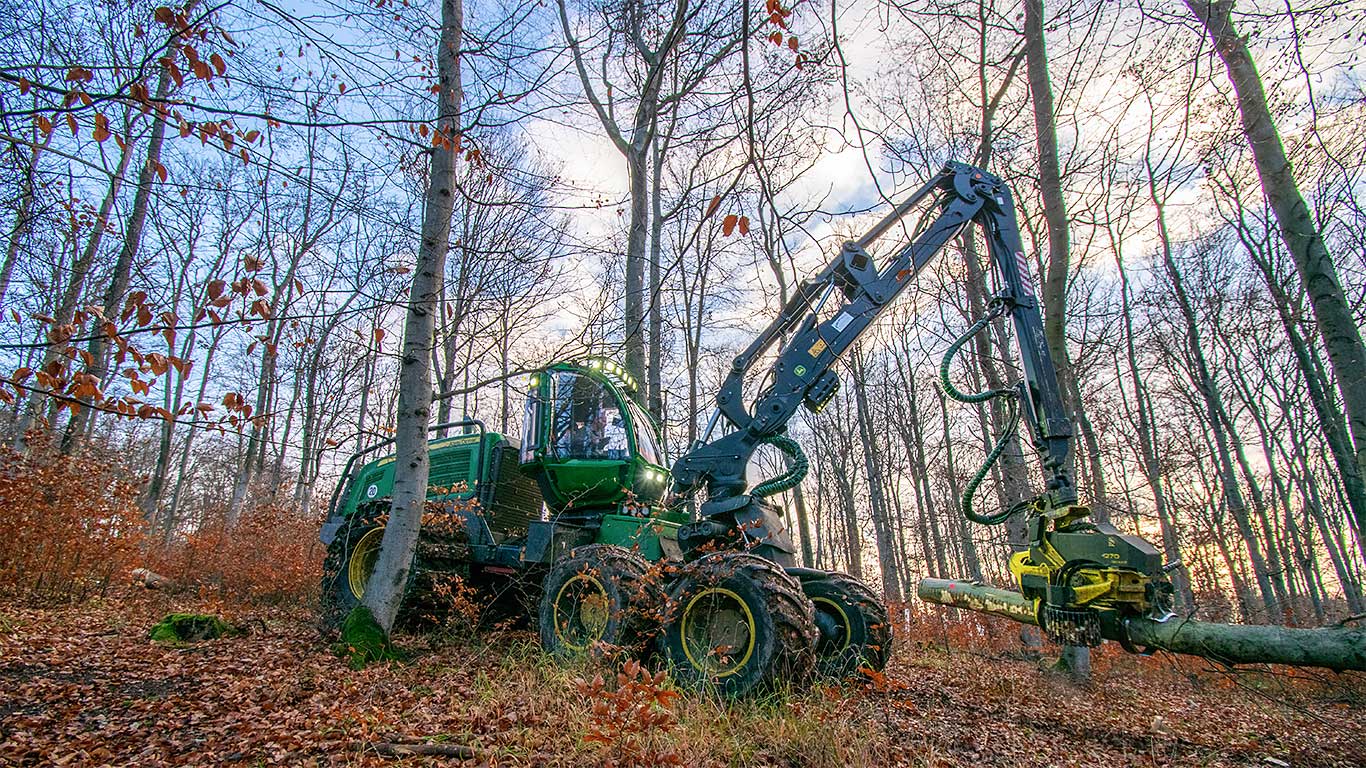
(597, 449)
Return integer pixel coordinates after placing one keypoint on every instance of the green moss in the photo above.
(186, 628)
(363, 640)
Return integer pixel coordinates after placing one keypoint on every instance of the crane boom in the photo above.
(829, 312)
(1078, 574)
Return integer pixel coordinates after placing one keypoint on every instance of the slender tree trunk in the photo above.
(1330, 418)
(655, 364)
(1054, 293)
(172, 516)
(151, 498)
(1213, 407)
(872, 463)
(1299, 231)
(633, 344)
(23, 215)
(1275, 570)
(65, 309)
(969, 545)
(1147, 445)
(1313, 502)
(384, 591)
(123, 266)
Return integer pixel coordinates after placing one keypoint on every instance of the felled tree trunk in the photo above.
(1336, 648)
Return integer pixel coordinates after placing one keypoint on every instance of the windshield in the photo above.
(645, 436)
(588, 424)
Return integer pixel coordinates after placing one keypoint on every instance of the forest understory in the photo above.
(83, 685)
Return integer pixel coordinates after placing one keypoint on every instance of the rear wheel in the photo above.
(598, 596)
(854, 629)
(350, 561)
(441, 557)
(739, 623)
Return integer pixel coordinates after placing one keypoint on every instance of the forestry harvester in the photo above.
(586, 522)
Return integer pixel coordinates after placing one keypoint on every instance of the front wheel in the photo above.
(854, 628)
(738, 623)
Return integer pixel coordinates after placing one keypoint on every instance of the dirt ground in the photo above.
(84, 686)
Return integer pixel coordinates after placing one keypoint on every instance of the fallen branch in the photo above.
(395, 749)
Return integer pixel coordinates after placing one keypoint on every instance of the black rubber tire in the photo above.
(337, 598)
(854, 629)
(442, 554)
(626, 606)
(761, 606)
(440, 561)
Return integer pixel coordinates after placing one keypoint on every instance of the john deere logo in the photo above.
(800, 370)
(372, 491)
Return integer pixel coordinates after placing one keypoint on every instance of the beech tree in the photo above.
(1300, 232)
(384, 591)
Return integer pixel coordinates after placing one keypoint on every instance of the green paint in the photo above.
(631, 472)
(458, 464)
(641, 534)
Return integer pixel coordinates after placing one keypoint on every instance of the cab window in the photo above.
(645, 436)
(531, 419)
(588, 423)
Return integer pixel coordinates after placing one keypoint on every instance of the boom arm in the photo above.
(802, 372)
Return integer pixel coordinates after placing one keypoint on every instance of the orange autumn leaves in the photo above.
(732, 222)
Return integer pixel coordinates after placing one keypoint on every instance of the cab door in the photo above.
(585, 445)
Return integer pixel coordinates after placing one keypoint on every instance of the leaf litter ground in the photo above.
(84, 686)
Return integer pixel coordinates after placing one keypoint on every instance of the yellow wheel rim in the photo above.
(581, 612)
(835, 611)
(718, 632)
(362, 563)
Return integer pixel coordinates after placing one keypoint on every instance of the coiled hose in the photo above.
(794, 474)
(1012, 420)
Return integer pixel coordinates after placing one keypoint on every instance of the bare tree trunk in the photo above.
(1214, 412)
(66, 306)
(1275, 570)
(309, 443)
(123, 266)
(970, 556)
(872, 463)
(1313, 503)
(634, 311)
(803, 526)
(1330, 418)
(172, 516)
(1299, 231)
(635, 146)
(1147, 446)
(384, 591)
(655, 363)
(22, 217)
(156, 486)
(1054, 292)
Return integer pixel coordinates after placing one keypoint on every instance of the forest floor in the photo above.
(84, 686)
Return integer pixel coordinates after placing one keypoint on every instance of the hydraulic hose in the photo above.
(794, 474)
(1012, 421)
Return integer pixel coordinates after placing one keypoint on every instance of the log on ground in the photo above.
(1336, 648)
